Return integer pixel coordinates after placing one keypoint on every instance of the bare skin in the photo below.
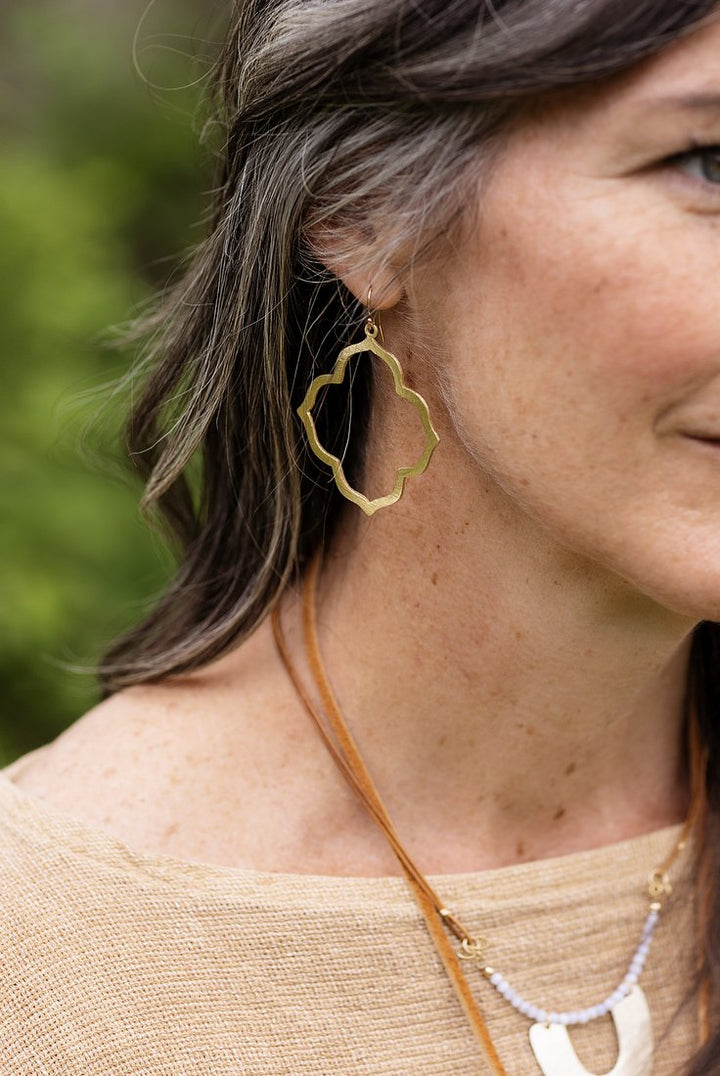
(509, 642)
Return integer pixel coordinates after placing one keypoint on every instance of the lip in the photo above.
(706, 441)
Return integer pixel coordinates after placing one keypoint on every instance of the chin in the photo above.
(692, 598)
(678, 574)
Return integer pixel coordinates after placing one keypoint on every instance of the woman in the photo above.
(520, 202)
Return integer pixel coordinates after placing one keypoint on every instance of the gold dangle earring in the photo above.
(370, 343)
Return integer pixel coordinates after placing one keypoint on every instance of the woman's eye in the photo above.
(702, 164)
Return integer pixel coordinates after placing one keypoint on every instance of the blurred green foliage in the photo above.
(101, 181)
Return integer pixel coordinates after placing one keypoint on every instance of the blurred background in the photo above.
(102, 183)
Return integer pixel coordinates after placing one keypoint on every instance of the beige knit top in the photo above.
(117, 963)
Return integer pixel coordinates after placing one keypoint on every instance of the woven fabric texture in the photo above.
(119, 963)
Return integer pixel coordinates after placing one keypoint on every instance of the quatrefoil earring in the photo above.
(370, 343)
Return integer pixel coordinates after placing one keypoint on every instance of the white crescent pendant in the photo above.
(556, 1057)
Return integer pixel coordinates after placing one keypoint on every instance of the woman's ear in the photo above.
(352, 261)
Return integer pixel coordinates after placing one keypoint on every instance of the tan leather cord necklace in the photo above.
(340, 744)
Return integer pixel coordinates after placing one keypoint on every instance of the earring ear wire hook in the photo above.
(373, 327)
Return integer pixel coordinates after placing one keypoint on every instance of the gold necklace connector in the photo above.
(659, 886)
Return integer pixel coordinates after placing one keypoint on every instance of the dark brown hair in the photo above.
(328, 112)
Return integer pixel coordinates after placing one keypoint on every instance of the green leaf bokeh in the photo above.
(101, 182)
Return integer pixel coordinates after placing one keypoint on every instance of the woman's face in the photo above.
(580, 317)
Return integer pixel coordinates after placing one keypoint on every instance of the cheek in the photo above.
(579, 318)
(577, 327)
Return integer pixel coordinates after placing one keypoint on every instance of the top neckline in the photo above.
(619, 863)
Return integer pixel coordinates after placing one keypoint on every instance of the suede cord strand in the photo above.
(346, 755)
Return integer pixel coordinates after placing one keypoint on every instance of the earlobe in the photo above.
(355, 267)
(387, 289)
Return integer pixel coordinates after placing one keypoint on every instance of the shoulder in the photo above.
(107, 750)
(113, 767)
(165, 766)
(137, 759)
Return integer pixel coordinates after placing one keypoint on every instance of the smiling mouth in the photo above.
(703, 439)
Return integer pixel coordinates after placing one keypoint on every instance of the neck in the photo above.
(510, 701)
